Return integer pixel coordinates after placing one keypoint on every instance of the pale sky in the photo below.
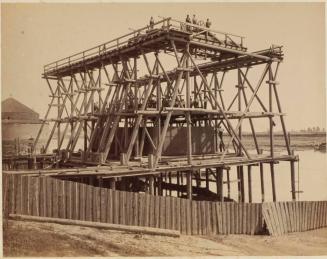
(36, 34)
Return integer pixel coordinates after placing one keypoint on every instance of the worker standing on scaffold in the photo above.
(151, 23)
(188, 20)
(194, 21)
(208, 25)
(221, 142)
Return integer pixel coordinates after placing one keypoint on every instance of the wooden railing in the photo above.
(103, 48)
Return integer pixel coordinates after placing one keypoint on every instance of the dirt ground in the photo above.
(25, 238)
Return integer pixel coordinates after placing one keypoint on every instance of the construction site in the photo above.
(140, 128)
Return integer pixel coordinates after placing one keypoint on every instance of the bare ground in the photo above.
(24, 238)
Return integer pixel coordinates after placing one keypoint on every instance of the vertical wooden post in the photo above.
(228, 184)
(293, 179)
(239, 85)
(239, 184)
(262, 183)
(113, 183)
(160, 192)
(178, 184)
(100, 181)
(207, 179)
(189, 184)
(151, 184)
(58, 118)
(250, 183)
(271, 122)
(169, 181)
(242, 184)
(220, 183)
(188, 114)
(272, 171)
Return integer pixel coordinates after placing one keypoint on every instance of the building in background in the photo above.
(20, 125)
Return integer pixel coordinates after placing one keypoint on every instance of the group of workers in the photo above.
(195, 21)
(188, 20)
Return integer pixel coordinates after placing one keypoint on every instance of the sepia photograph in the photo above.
(163, 129)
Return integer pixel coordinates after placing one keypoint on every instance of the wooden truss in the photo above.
(105, 109)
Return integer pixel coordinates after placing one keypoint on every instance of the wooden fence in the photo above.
(287, 217)
(49, 197)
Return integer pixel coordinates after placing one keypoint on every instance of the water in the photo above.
(312, 169)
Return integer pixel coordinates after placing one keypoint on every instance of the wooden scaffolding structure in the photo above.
(116, 103)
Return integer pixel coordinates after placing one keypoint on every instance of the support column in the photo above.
(178, 184)
(160, 192)
(151, 184)
(242, 184)
(228, 184)
(262, 181)
(293, 181)
(250, 183)
(113, 183)
(188, 114)
(189, 184)
(220, 183)
(272, 171)
(207, 179)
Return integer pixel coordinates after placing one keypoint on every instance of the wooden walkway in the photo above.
(168, 164)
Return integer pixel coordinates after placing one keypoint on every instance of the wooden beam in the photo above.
(116, 227)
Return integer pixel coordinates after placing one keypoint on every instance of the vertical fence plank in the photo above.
(89, 203)
(194, 218)
(182, 216)
(43, 198)
(60, 198)
(213, 216)
(30, 195)
(156, 217)
(209, 218)
(199, 217)
(147, 210)
(173, 205)
(5, 190)
(76, 191)
(109, 218)
(178, 214)
(18, 194)
(219, 218)
(97, 200)
(103, 203)
(141, 210)
(69, 200)
(151, 211)
(203, 218)
(49, 198)
(115, 206)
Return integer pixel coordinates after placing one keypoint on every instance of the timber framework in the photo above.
(146, 112)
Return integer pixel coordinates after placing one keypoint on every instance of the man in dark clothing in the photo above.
(188, 20)
(208, 23)
(151, 22)
(194, 21)
(221, 142)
